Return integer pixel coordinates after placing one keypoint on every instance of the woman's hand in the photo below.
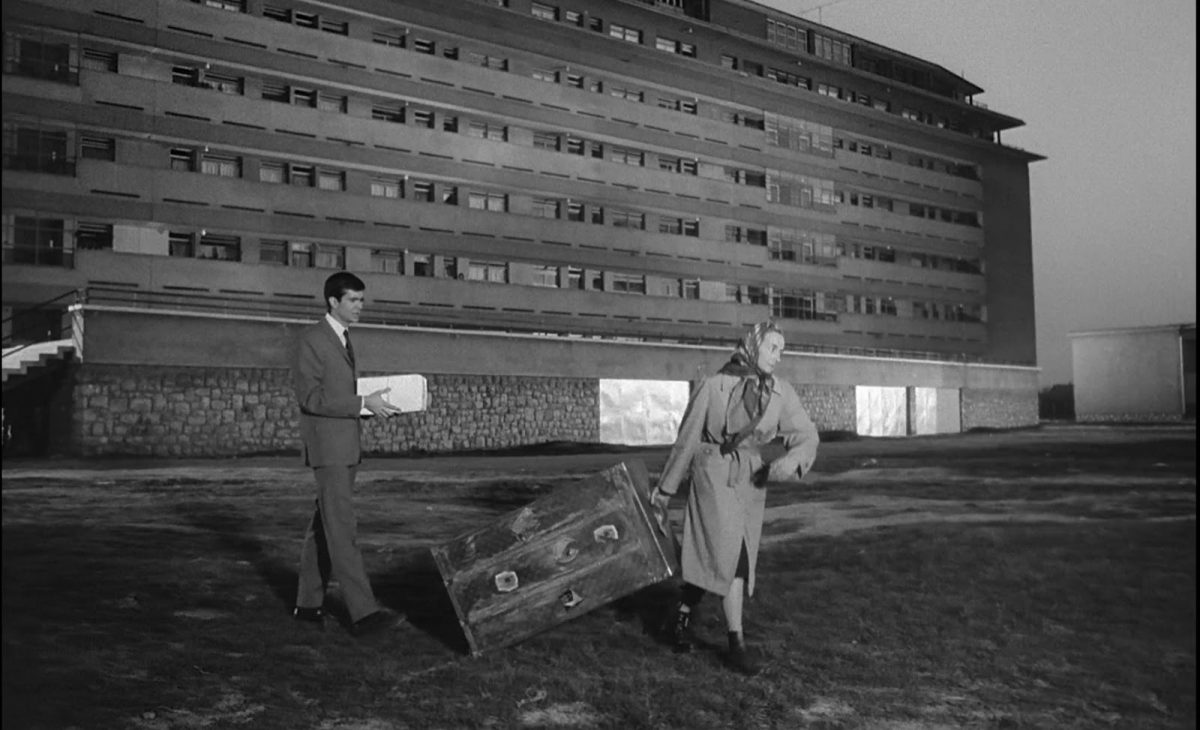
(659, 499)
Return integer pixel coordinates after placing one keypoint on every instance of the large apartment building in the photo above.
(542, 196)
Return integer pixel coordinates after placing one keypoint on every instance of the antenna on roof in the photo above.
(818, 8)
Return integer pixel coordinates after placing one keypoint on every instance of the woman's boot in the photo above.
(739, 656)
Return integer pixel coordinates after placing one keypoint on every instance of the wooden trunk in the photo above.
(559, 557)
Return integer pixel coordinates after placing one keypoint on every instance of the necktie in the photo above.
(349, 347)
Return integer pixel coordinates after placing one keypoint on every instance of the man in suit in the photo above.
(325, 380)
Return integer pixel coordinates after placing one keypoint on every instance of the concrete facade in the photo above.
(611, 181)
(1141, 374)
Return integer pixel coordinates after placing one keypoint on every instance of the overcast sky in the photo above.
(1107, 91)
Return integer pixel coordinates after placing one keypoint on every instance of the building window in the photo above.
(220, 165)
(544, 12)
(423, 191)
(794, 305)
(495, 272)
(787, 36)
(271, 251)
(575, 212)
(628, 219)
(573, 17)
(301, 175)
(37, 150)
(331, 102)
(493, 62)
(833, 50)
(272, 172)
(575, 81)
(679, 226)
(422, 45)
(545, 74)
(546, 276)
(181, 244)
(183, 159)
(224, 83)
(37, 241)
(626, 156)
(93, 147)
(388, 112)
(233, 6)
(51, 61)
(493, 202)
(99, 60)
(729, 62)
(94, 237)
(330, 257)
(627, 94)
(673, 46)
(545, 141)
(393, 39)
(387, 187)
(331, 180)
(219, 248)
(633, 35)
(629, 283)
(422, 118)
(545, 208)
(386, 262)
(337, 27)
(681, 165)
(488, 130)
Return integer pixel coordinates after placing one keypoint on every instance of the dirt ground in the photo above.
(860, 475)
(909, 584)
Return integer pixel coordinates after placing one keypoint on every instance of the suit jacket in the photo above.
(326, 389)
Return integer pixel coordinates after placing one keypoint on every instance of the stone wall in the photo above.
(831, 407)
(469, 412)
(988, 408)
(206, 411)
(180, 411)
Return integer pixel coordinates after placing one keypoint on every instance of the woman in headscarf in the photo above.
(729, 418)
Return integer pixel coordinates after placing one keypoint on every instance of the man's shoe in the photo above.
(374, 623)
(679, 631)
(739, 657)
(314, 616)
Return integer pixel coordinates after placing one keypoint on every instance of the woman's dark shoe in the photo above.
(739, 657)
(679, 631)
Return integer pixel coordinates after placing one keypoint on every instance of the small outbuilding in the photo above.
(1135, 374)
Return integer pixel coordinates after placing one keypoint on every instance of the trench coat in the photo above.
(728, 497)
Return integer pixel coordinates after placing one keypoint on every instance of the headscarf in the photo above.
(755, 385)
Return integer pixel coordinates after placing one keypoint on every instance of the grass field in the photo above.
(1043, 578)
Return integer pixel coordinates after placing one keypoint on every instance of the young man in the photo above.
(325, 381)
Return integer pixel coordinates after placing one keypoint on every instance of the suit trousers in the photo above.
(331, 546)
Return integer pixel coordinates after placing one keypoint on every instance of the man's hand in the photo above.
(377, 404)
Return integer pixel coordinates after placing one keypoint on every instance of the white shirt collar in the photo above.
(338, 328)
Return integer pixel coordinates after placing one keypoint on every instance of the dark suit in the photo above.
(325, 383)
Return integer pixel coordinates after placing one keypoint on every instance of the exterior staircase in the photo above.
(20, 359)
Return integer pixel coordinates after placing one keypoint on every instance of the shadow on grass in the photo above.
(237, 534)
(415, 588)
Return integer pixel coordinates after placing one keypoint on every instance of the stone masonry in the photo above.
(180, 411)
(207, 411)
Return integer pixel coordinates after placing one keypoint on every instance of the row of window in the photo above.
(48, 152)
(795, 134)
(782, 34)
